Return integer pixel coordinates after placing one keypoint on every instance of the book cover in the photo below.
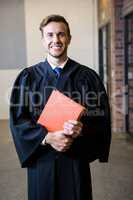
(59, 109)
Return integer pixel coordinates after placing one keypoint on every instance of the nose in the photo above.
(55, 38)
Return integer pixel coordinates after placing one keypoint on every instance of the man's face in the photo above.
(56, 39)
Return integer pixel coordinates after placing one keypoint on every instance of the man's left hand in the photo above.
(73, 128)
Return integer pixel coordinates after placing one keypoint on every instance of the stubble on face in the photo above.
(56, 40)
(58, 54)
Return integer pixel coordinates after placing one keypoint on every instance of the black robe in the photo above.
(54, 175)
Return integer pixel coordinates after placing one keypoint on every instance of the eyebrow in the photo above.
(55, 33)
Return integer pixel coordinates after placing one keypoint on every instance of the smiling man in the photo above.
(58, 162)
(56, 38)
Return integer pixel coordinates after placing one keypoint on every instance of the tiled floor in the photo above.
(114, 180)
(111, 181)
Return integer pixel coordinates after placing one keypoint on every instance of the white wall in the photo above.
(81, 15)
(7, 78)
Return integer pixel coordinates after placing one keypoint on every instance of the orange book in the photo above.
(59, 109)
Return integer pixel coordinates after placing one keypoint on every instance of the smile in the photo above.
(56, 47)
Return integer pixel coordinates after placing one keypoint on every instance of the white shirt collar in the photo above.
(61, 66)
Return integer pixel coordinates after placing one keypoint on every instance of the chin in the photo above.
(57, 55)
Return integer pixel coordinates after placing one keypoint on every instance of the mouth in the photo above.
(57, 46)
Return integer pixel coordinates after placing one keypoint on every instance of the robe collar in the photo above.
(44, 69)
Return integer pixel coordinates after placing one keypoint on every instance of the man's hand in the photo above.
(59, 141)
(73, 128)
(62, 140)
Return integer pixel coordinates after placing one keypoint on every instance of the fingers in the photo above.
(75, 131)
(65, 146)
(73, 128)
(62, 146)
(60, 141)
(75, 122)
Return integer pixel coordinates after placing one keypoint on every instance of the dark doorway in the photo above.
(104, 57)
(129, 71)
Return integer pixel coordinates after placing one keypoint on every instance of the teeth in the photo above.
(56, 47)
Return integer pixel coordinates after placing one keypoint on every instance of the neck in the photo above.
(56, 61)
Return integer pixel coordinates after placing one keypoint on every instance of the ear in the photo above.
(70, 37)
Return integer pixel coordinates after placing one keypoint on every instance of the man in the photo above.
(58, 162)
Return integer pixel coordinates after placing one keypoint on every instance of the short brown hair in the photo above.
(54, 18)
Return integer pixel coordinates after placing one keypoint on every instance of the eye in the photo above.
(49, 34)
(61, 34)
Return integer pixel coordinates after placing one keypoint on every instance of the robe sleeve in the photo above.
(94, 143)
(96, 136)
(27, 134)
